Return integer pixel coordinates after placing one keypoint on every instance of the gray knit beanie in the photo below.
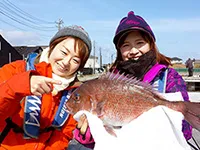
(76, 31)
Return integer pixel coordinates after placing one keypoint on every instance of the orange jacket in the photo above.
(14, 86)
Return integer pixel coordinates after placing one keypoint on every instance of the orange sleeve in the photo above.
(14, 85)
(60, 140)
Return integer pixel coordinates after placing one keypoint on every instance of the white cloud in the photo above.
(15, 37)
(176, 25)
(102, 24)
(102, 31)
(161, 25)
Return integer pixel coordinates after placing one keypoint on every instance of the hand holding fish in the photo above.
(82, 124)
(40, 85)
(118, 100)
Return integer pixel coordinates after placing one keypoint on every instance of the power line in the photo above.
(100, 57)
(11, 24)
(14, 14)
(94, 58)
(25, 24)
(42, 35)
(26, 14)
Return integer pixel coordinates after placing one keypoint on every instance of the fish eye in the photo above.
(77, 98)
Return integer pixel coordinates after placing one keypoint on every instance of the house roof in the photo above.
(43, 46)
(197, 61)
(176, 58)
(9, 47)
(25, 50)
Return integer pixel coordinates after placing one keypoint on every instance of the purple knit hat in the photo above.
(131, 22)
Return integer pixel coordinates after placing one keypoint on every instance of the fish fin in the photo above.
(99, 108)
(157, 95)
(114, 75)
(110, 130)
(126, 78)
(192, 114)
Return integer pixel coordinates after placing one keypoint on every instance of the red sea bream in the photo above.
(117, 100)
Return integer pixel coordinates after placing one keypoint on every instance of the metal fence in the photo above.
(185, 70)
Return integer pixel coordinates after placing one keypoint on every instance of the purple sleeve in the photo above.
(175, 83)
(85, 139)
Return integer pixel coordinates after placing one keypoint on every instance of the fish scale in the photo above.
(118, 100)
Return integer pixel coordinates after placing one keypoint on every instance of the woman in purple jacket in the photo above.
(138, 55)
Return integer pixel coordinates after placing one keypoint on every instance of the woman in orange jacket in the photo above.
(32, 98)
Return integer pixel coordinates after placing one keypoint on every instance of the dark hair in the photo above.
(160, 58)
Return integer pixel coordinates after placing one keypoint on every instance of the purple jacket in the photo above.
(174, 83)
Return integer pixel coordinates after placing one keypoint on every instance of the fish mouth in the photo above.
(69, 110)
(117, 127)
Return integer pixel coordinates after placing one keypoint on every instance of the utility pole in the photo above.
(94, 58)
(59, 24)
(100, 57)
(112, 58)
(10, 57)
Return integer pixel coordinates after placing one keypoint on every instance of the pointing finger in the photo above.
(52, 81)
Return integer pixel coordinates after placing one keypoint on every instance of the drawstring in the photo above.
(193, 145)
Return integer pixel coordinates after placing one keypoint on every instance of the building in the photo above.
(8, 53)
(176, 60)
(91, 62)
(197, 63)
(25, 50)
(91, 65)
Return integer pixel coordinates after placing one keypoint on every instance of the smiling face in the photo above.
(134, 46)
(64, 58)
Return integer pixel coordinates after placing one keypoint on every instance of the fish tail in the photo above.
(192, 114)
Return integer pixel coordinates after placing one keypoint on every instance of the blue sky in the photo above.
(176, 23)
